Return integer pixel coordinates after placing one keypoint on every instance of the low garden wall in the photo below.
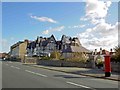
(115, 67)
(63, 63)
(30, 60)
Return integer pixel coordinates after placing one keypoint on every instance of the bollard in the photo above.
(107, 66)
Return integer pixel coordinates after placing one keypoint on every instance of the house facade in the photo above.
(71, 46)
(43, 46)
(99, 55)
(18, 50)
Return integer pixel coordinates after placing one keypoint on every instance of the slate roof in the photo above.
(47, 40)
(58, 42)
(16, 44)
(75, 49)
(44, 43)
(31, 45)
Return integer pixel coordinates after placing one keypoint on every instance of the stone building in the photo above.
(44, 46)
(72, 45)
(18, 50)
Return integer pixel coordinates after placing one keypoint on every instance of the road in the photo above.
(17, 75)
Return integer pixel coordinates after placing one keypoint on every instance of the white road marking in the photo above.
(10, 62)
(77, 85)
(15, 67)
(29, 71)
(27, 66)
(11, 66)
(36, 73)
(76, 75)
(40, 74)
(7, 64)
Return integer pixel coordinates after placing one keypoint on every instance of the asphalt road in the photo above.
(16, 75)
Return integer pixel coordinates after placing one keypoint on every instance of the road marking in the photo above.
(27, 66)
(77, 85)
(40, 74)
(36, 73)
(10, 62)
(15, 67)
(7, 64)
(11, 66)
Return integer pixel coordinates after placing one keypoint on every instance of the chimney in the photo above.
(100, 51)
(26, 40)
(111, 52)
(95, 51)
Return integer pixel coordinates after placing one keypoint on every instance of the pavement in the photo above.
(17, 75)
(97, 73)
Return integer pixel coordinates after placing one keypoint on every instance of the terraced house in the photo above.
(44, 46)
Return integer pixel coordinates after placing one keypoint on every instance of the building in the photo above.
(99, 55)
(44, 46)
(0, 55)
(18, 50)
(72, 45)
(4, 55)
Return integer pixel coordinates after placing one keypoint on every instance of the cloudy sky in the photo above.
(94, 22)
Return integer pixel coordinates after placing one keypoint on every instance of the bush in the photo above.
(78, 57)
(62, 58)
(113, 58)
(99, 61)
(116, 57)
(45, 58)
(55, 55)
(117, 54)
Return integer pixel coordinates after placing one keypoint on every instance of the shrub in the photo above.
(55, 55)
(117, 53)
(99, 60)
(116, 57)
(45, 58)
(78, 57)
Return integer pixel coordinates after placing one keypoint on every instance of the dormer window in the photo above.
(52, 41)
(37, 45)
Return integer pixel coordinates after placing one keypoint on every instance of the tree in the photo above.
(117, 53)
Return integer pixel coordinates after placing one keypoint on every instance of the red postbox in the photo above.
(107, 66)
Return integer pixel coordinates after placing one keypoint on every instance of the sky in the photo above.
(94, 22)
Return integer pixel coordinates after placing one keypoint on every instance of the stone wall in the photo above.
(115, 67)
(30, 60)
(64, 63)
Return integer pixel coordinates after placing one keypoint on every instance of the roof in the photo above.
(75, 49)
(31, 45)
(44, 43)
(104, 52)
(58, 42)
(16, 44)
